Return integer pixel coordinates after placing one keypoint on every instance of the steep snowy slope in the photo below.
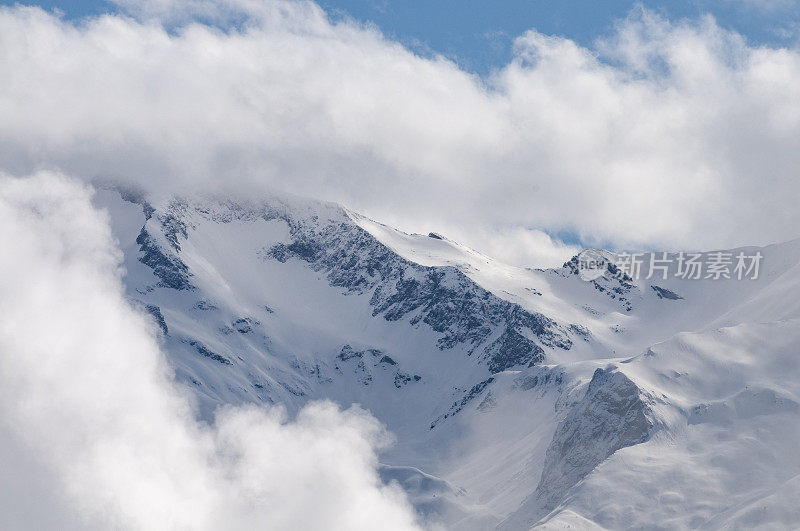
(720, 414)
(511, 391)
(637, 311)
(626, 402)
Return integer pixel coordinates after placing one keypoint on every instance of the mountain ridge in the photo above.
(290, 300)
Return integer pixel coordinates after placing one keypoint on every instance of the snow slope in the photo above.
(519, 397)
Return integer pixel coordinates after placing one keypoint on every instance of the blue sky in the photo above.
(663, 142)
(478, 34)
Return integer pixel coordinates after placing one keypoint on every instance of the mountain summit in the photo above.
(518, 397)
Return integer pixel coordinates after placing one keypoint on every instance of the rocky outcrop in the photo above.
(502, 333)
(613, 414)
(167, 266)
(443, 298)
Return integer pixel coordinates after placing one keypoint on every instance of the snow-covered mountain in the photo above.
(518, 397)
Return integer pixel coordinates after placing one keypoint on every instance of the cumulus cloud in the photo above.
(93, 433)
(663, 135)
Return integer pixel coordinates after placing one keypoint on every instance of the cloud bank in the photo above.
(665, 134)
(94, 435)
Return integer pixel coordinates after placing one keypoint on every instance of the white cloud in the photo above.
(93, 434)
(663, 135)
(517, 245)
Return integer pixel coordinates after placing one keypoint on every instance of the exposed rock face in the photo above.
(443, 298)
(470, 395)
(363, 362)
(614, 283)
(208, 353)
(155, 311)
(664, 293)
(612, 415)
(504, 334)
(510, 349)
(167, 266)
